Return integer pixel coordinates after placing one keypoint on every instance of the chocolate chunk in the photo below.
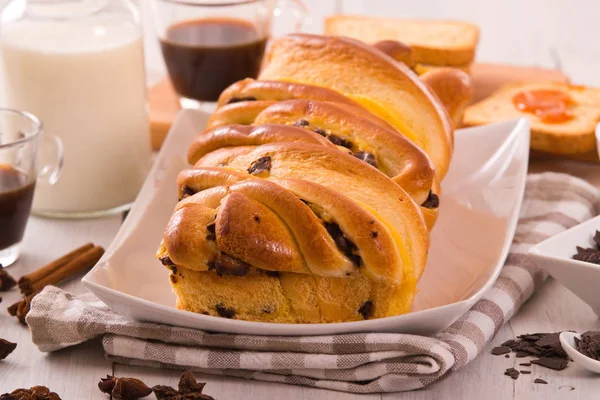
(500, 350)
(301, 123)
(509, 343)
(523, 371)
(186, 191)
(552, 363)
(273, 274)
(507, 356)
(7, 282)
(525, 364)
(433, 201)
(339, 141)
(166, 261)
(6, 348)
(345, 245)
(261, 165)
(321, 132)
(521, 354)
(356, 260)
(257, 218)
(589, 345)
(513, 373)
(549, 340)
(367, 157)
(538, 380)
(590, 255)
(225, 311)
(227, 265)
(240, 99)
(374, 234)
(366, 309)
(173, 278)
(212, 233)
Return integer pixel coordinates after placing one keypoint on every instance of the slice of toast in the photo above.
(569, 137)
(433, 42)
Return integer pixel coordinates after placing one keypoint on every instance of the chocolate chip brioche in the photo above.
(304, 205)
(311, 226)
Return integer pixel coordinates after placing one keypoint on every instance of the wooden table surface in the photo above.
(547, 33)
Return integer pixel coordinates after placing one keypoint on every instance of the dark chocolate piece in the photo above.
(367, 157)
(366, 309)
(240, 99)
(433, 201)
(224, 264)
(552, 363)
(259, 166)
(225, 311)
(301, 123)
(500, 350)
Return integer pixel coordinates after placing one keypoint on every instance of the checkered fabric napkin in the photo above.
(358, 363)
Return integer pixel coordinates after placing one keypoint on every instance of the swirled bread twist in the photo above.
(303, 204)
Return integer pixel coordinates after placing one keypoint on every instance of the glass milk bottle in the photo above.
(79, 66)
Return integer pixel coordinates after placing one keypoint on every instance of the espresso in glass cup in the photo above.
(23, 148)
(208, 45)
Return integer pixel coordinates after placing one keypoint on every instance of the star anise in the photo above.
(34, 393)
(189, 389)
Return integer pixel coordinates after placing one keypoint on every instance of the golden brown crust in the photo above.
(393, 154)
(242, 113)
(386, 88)
(454, 89)
(345, 174)
(243, 135)
(399, 51)
(279, 91)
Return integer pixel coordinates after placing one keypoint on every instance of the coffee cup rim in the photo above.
(37, 123)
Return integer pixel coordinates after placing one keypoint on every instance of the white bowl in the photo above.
(482, 195)
(554, 256)
(567, 340)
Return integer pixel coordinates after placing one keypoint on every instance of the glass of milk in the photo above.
(79, 66)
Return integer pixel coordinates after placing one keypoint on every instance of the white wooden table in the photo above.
(533, 32)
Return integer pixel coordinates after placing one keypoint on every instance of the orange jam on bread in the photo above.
(550, 106)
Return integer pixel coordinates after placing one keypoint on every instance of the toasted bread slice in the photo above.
(433, 41)
(569, 137)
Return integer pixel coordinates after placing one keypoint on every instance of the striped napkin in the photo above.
(358, 363)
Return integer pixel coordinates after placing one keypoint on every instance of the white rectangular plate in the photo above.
(481, 197)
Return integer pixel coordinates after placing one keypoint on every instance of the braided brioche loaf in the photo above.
(312, 191)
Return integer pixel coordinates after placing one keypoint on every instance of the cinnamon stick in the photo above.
(26, 281)
(56, 272)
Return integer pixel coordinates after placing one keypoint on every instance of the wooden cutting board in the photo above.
(164, 105)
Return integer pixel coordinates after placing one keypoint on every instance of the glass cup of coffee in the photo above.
(27, 156)
(208, 45)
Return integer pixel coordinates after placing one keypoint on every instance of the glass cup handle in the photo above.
(51, 159)
(299, 11)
